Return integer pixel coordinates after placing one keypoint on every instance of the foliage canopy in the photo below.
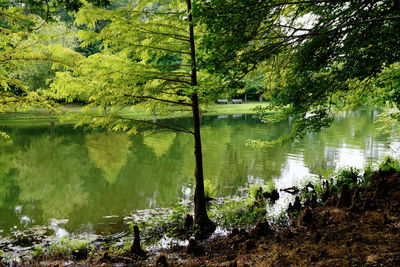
(317, 54)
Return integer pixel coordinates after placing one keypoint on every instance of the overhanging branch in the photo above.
(159, 99)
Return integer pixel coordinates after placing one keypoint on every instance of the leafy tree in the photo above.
(329, 50)
(254, 85)
(36, 74)
(148, 59)
(14, 28)
(21, 44)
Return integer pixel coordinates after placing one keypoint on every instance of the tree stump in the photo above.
(136, 248)
(345, 197)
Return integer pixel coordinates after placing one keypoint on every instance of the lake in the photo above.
(52, 173)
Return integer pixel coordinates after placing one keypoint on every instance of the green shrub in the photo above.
(210, 190)
(254, 188)
(347, 176)
(389, 164)
(66, 246)
(166, 222)
(281, 220)
(237, 213)
(38, 251)
(117, 249)
(367, 176)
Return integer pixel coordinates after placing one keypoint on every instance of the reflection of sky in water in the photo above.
(25, 220)
(59, 231)
(186, 192)
(292, 173)
(293, 170)
(153, 200)
(18, 209)
(349, 157)
(255, 180)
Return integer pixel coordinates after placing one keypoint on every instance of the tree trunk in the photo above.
(204, 227)
(26, 10)
(396, 5)
(154, 117)
(52, 126)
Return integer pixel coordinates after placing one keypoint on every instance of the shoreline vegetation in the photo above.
(349, 218)
(73, 112)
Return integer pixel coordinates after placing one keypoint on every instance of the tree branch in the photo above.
(161, 100)
(162, 49)
(179, 129)
(175, 36)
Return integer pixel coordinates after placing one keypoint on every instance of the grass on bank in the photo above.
(74, 112)
(64, 247)
(246, 107)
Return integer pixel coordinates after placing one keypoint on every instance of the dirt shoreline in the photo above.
(358, 227)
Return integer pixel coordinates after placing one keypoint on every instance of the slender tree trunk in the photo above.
(204, 226)
(396, 5)
(52, 126)
(154, 117)
(26, 10)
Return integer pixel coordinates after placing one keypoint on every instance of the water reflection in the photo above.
(160, 146)
(51, 176)
(56, 172)
(108, 152)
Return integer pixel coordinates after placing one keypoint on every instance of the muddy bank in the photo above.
(356, 225)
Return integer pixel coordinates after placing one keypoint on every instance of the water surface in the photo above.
(52, 172)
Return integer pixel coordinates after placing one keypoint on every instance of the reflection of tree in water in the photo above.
(5, 167)
(241, 161)
(152, 176)
(50, 172)
(159, 145)
(264, 163)
(228, 161)
(351, 130)
(216, 140)
(64, 175)
(215, 152)
(109, 153)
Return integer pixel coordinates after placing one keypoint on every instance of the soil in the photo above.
(360, 227)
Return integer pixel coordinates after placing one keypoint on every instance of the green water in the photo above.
(52, 171)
